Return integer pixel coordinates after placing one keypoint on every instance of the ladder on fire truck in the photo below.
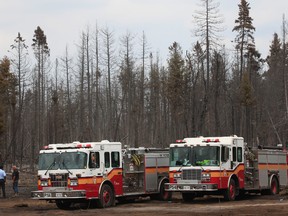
(251, 173)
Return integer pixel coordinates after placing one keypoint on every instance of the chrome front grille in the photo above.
(59, 180)
(191, 174)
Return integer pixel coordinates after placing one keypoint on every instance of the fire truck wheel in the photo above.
(230, 192)
(188, 196)
(274, 186)
(63, 204)
(106, 197)
(163, 195)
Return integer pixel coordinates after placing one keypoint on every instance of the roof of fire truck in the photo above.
(224, 140)
(79, 145)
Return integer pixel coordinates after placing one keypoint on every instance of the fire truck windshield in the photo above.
(180, 156)
(65, 160)
(205, 155)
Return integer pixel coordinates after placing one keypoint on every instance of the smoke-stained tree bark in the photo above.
(41, 53)
(109, 62)
(90, 127)
(195, 67)
(66, 66)
(208, 26)
(128, 85)
(82, 78)
(55, 106)
(141, 133)
(20, 65)
(153, 111)
(96, 85)
(218, 72)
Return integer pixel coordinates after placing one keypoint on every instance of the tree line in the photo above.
(120, 91)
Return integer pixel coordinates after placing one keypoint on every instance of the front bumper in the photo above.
(58, 193)
(185, 187)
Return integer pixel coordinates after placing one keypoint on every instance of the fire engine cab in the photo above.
(225, 166)
(102, 172)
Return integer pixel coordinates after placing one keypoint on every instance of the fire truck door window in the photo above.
(239, 154)
(234, 154)
(107, 159)
(224, 154)
(115, 159)
(94, 160)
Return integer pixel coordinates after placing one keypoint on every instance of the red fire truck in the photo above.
(225, 166)
(102, 172)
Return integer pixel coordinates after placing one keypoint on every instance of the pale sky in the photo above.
(163, 21)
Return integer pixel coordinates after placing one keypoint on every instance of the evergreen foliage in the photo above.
(120, 91)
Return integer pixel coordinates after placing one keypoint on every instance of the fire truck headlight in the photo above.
(206, 176)
(44, 183)
(73, 182)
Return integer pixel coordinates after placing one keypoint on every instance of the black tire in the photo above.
(188, 197)
(63, 204)
(106, 197)
(274, 186)
(230, 192)
(163, 195)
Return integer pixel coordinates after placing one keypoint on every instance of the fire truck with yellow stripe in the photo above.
(100, 173)
(225, 166)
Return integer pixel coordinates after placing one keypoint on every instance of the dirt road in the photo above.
(216, 206)
(251, 205)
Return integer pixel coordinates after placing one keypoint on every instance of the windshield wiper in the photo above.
(51, 165)
(180, 168)
(64, 165)
(184, 163)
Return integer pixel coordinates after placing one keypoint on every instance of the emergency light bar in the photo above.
(211, 140)
(83, 145)
(180, 141)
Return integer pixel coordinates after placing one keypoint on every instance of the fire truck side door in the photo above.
(225, 158)
(225, 164)
(237, 154)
